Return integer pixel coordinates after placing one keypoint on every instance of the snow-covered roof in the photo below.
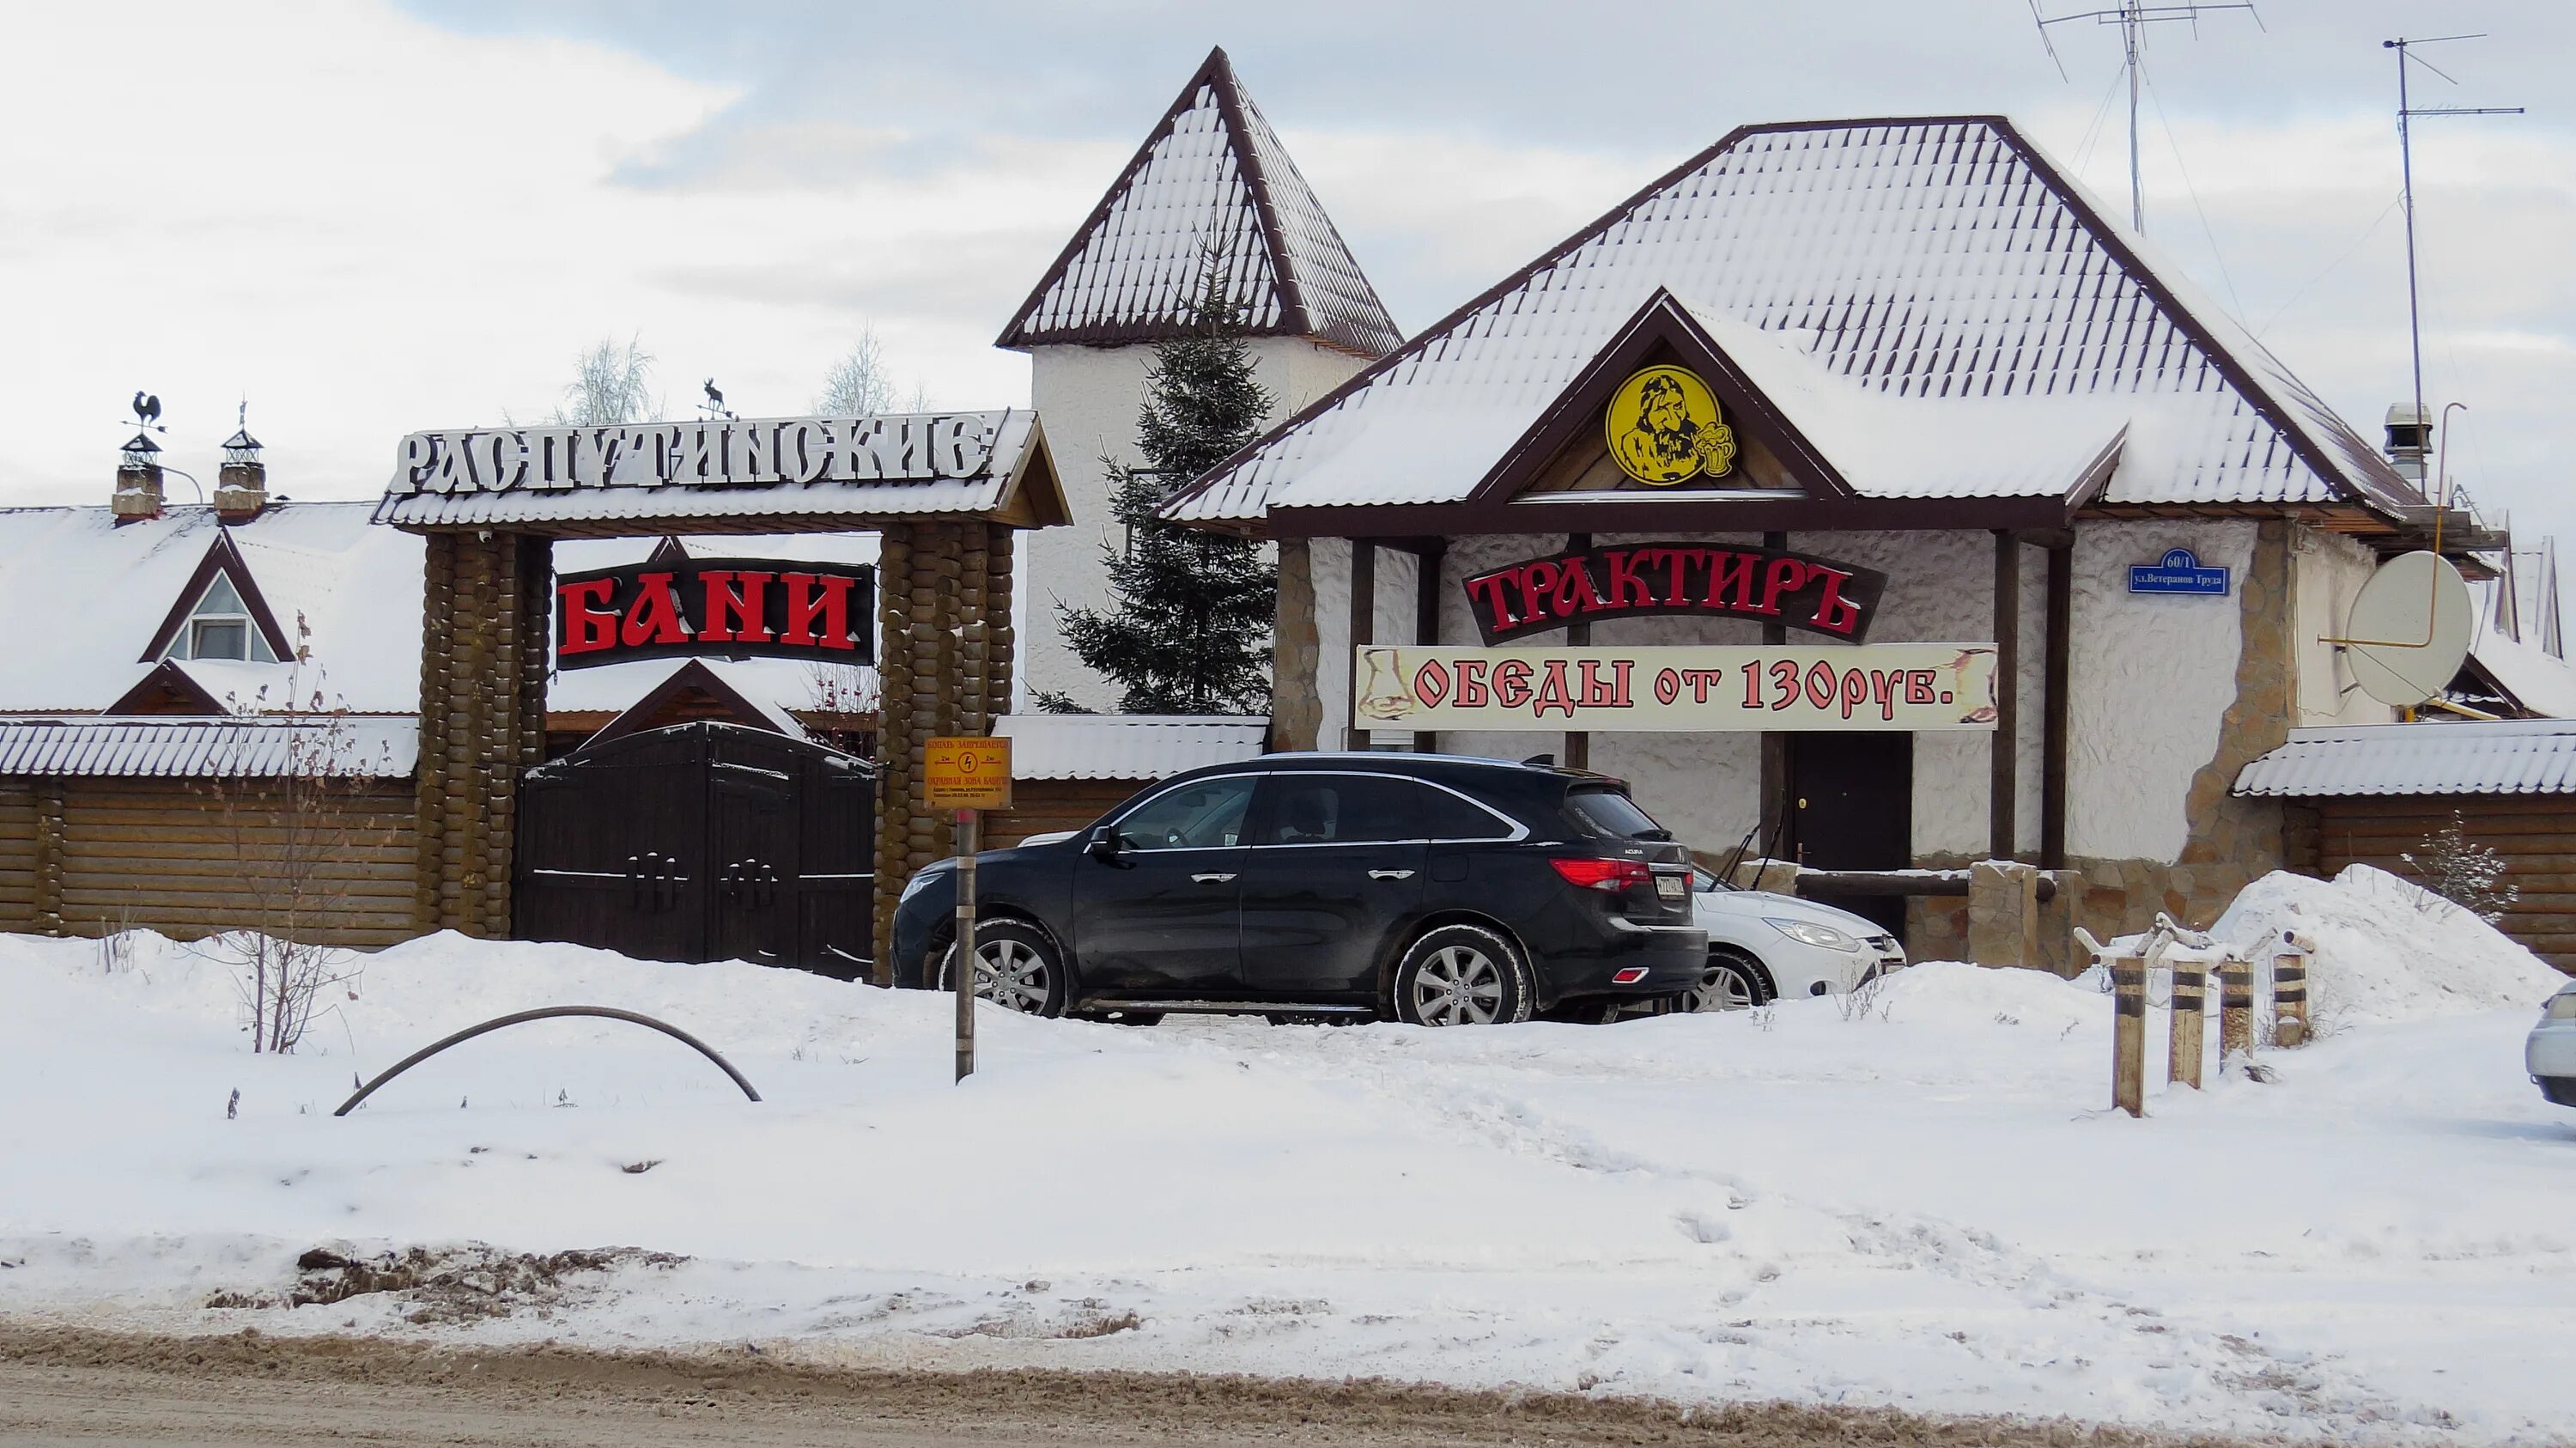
(358, 746)
(2511, 756)
(1126, 746)
(2535, 679)
(1211, 175)
(92, 596)
(997, 466)
(1898, 288)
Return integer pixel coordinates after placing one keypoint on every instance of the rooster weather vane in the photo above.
(147, 411)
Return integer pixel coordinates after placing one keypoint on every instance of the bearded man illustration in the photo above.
(1669, 435)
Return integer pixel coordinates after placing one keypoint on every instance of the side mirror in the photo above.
(1101, 844)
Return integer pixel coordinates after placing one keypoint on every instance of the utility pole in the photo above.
(2406, 171)
(2133, 17)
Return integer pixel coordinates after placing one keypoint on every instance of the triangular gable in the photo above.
(1211, 174)
(1941, 262)
(1772, 454)
(168, 689)
(692, 694)
(223, 559)
(1033, 496)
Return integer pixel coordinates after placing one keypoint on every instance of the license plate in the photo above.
(1671, 887)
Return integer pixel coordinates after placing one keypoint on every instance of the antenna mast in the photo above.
(2133, 17)
(2406, 170)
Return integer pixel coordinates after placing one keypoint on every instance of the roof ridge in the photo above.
(1314, 287)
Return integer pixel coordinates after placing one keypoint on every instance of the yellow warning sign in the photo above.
(968, 773)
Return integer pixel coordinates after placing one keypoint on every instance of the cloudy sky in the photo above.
(369, 218)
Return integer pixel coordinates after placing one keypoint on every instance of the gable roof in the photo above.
(2505, 756)
(1211, 173)
(696, 678)
(1900, 283)
(223, 560)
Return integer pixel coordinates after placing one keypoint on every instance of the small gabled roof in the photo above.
(1906, 281)
(1211, 174)
(2506, 756)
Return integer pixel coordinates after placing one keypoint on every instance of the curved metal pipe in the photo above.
(609, 1013)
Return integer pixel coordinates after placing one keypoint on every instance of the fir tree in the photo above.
(1189, 629)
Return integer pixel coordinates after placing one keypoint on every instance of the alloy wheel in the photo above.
(1458, 985)
(1723, 986)
(1013, 975)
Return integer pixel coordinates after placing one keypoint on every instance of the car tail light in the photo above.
(1609, 876)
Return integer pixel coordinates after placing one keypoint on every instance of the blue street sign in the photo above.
(2180, 572)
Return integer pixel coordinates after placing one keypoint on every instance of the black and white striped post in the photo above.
(2235, 1009)
(2290, 990)
(2190, 1022)
(2129, 1033)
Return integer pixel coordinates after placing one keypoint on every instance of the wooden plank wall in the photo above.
(1040, 806)
(2536, 834)
(17, 855)
(152, 852)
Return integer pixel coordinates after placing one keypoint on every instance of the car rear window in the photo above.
(1608, 814)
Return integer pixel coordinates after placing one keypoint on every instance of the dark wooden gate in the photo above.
(702, 842)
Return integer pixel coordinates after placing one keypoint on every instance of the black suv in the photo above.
(1421, 888)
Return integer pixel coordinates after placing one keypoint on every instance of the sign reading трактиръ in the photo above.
(1611, 690)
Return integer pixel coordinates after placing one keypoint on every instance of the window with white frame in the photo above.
(220, 627)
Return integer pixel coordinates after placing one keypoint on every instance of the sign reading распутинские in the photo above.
(728, 607)
(1764, 585)
(733, 452)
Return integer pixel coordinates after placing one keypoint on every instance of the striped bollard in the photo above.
(2129, 1033)
(2235, 1008)
(2290, 992)
(2190, 1017)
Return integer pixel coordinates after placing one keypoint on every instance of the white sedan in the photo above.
(2550, 1054)
(1763, 946)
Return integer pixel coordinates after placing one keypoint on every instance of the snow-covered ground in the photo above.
(1920, 1202)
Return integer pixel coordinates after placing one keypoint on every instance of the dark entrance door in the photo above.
(702, 842)
(1851, 807)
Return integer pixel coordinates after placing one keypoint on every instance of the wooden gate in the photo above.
(702, 842)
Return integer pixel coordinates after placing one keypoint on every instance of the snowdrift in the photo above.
(2387, 949)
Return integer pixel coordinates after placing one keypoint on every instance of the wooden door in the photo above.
(1851, 807)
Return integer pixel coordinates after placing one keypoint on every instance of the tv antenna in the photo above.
(2133, 17)
(2406, 169)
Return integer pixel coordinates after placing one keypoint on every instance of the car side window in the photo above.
(1343, 809)
(1206, 815)
(1447, 817)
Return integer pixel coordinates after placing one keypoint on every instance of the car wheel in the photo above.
(1731, 981)
(1461, 975)
(1017, 967)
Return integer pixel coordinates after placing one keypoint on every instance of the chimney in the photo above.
(138, 481)
(2410, 438)
(241, 489)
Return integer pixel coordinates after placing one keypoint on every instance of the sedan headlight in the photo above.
(1808, 932)
(921, 881)
(2561, 1007)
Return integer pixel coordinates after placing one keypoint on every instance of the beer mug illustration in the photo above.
(1382, 694)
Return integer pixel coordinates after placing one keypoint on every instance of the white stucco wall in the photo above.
(2151, 679)
(2153, 675)
(1087, 399)
(1329, 561)
(2326, 571)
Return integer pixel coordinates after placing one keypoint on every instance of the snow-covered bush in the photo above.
(2464, 872)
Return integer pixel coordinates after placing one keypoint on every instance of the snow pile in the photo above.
(1916, 1197)
(2386, 949)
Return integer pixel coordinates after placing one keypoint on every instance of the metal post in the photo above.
(2129, 1033)
(2190, 1023)
(962, 978)
(2235, 1008)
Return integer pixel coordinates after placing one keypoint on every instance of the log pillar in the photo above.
(944, 664)
(485, 612)
(49, 857)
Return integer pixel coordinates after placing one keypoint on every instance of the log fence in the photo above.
(2189, 959)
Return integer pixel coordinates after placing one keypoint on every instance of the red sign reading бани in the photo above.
(729, 607)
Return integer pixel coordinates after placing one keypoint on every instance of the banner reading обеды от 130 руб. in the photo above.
(1609, 690)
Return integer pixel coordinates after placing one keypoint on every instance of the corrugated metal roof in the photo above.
(357, 746)
(1212, 174)
(1942, 262)
(2513, 756)
(1126, 746)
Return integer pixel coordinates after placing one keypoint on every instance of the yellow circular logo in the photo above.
(1664, 428)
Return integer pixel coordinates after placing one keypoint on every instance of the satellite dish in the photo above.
(2409, 629)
